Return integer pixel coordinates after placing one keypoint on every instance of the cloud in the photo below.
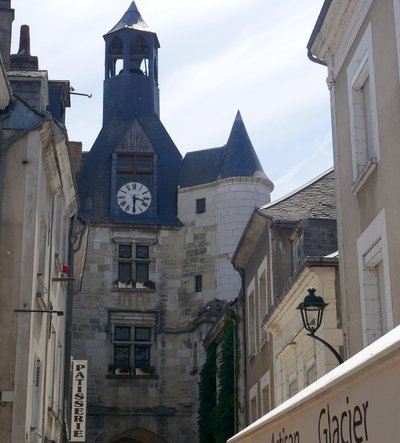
(215, 58)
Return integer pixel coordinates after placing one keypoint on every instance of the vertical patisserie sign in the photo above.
(79, 396)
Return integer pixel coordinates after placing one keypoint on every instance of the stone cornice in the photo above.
(338, 31)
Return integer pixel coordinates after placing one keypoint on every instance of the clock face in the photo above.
(134, 198)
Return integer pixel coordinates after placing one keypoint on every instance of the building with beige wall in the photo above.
(37, 209)
(284, 250)
(359, 42)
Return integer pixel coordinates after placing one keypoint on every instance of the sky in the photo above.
(216, 57)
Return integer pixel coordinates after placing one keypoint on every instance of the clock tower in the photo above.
(132, 171)
(131, 68)
(162, 231)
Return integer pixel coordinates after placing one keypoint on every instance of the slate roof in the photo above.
(131, 19)
(236, 159)
(316, 199)
(95, 177)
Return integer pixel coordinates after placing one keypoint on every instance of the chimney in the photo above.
(75, 149)
(6, 19)
(24, 61)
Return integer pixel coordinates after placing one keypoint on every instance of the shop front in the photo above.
(357, 402)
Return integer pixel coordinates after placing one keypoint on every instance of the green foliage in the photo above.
(226, 407)
(208, 396)
(217, 412)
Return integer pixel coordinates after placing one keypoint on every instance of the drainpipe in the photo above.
(243, 300)
(316, 31)
(68, 322)
(67, 356)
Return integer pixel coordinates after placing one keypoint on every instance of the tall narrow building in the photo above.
(161, 237)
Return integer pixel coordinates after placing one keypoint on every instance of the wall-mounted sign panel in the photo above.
(355, 403)
(78, 404)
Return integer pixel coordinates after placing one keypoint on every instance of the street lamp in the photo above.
(312, 310)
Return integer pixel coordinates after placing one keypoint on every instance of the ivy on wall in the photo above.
(217, 411)
(208, 396)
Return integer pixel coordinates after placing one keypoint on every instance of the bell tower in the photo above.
(131, 69)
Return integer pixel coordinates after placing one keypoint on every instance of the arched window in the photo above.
(115, 57)
(139, 56)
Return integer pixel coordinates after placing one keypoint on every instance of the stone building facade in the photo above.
(361, 53)
(38, 208)
(158, 268)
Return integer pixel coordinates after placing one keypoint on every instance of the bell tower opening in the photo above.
(130, 78)
(115, 57)
(139, 56)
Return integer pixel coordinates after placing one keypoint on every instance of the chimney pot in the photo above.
(24, 42)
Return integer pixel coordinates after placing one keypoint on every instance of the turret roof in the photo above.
(236, 159)
(131, 19)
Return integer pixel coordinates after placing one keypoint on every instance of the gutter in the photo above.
(316, 31)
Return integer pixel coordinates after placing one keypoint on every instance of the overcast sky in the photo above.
(216, 57)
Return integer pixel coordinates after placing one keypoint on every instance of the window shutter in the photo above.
(382, 298)
(37, 374)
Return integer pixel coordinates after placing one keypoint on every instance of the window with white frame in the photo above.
(265, 393)
(293, 387)
(310, 372)
(363, 109)
(376, 302)
(133, 343)
(253, 403)
(262, 302)
(36, 394)
(251, 321)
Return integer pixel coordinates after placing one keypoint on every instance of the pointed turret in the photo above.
(236, 159)
(131, 66)
(131, 19)
(240, 159)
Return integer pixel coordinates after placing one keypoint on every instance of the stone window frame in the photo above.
(133, 260)
(263, 300)
(198, 283)
(363, 113)
(265, 385)
(251, 319)
(372, 250)
(200, 205)
(133, 320)
(253, 397)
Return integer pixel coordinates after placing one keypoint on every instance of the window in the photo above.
(132, 346)
(262, 299)
(200, 205)
(376, 302)
(311, 373)
(251, 321)
(265, 393)
(36, 394)
(132, 167)
(292, 385)
(133, 268)
(266, 399)
(363, 111)
(198, 283)
(253, 403)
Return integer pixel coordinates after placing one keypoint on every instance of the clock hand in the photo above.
(134, 202)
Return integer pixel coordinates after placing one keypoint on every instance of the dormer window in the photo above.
(297, 248)
(132, 167)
